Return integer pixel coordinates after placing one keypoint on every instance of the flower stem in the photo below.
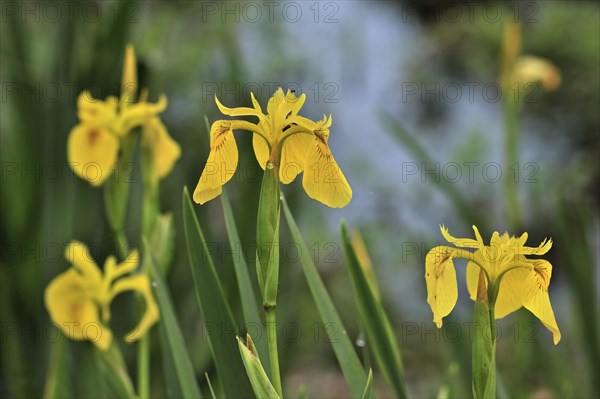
(512, 160)
(143, 364)
(122, 244)
(273, 354)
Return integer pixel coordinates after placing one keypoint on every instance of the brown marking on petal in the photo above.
(320, 136)
(439, 268)
(76, 310)
(542, 277)
(93, 135)
(288, 126)
(220, 132)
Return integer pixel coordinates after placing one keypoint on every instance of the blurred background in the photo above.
(419, 128)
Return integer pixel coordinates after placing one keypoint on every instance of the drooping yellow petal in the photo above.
(165, 150)
(96, 113)
(221, 164)
(535, 295)
(129, 81)
(460, 242)
(72, 309)
(92, 153)
(440, 277)
(293, 156)
(510, 292)
(79, 256)
(323, 179)
(139, 283)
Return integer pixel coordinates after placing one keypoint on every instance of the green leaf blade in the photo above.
(250, 308)
(376, 323)
(171, 336)
(216, 313)
(354, 374)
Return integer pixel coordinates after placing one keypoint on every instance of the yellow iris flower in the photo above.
(93, 144)
(75, 297)
(282, 139)
(513, 280)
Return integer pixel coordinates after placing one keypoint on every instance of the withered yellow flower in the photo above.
(76, 297)
(512, 280)
(282, 139)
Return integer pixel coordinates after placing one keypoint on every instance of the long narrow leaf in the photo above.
(380, 336)
(217, 315)
(249, 305)
(188, 387)
(355, 375)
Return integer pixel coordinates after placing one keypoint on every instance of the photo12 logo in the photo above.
(270, 12)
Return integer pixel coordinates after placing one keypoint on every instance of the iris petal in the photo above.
(221, 164)
(440, 277)
(92, 153)
(139, 283)
(323, 179)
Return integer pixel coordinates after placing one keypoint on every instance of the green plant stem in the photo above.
(143, 360)
(122, 244)
(273, 354)
(511, 148)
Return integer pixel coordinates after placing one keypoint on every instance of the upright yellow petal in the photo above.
(129, 81)
(292, 104)
(139, 283)
(275, 102)
(293, 156)
(92, 153)
(79, 256)
(96, 113)
(165, 150)
(139, 114)
(536, 298)
(72, 309)
(113, 271)
(221, 164)
(440, 277)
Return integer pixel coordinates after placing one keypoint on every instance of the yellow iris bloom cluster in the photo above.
(93, 144)
(518, 280)
(282, 139)
(75, 297)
